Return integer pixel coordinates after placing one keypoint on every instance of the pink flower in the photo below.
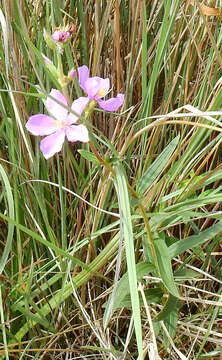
(60, 35)
(96, 88)
(59, 125)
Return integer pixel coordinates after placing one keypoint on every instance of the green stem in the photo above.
(147, 226)
(102, 162)
(149, 235)
(62, 78)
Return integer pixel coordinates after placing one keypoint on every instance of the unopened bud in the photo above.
(60, 36)
(49, 41)
(72, 74)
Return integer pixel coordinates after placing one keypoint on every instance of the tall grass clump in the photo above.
(110, 241)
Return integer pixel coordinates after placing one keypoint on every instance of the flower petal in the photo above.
(56, 35)
(52, 144)
(77, 106)
(59, 112)
(41, 124)
(112, 104)
(60, 35)
(96, 87)
(104, 88)
(77, 133)
(83, 72)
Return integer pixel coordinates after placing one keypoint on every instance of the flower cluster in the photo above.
(63, 121)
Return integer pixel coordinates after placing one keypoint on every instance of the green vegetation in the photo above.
(112, 249)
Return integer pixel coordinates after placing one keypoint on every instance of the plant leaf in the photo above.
(164, 266)
(125, 218)
(88, 156)
(10, 201)
(169, 315)
(123, 289)
(155, 169)
(180, 246)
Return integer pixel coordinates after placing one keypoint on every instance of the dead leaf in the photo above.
(209, 11)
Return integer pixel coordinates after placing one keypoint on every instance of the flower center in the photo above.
(61, 124)
(101, 92)
(57, 123)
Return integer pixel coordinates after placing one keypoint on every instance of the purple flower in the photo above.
(60, 35)
(59, 125)
(96, 88)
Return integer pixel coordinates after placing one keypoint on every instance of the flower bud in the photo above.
(60, 36)
(72, 74)
(49, 41)
(63, 33)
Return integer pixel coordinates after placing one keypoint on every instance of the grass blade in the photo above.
(123, 288)
(157, 166)
(11, 212)
(125, 214)
(3, 326)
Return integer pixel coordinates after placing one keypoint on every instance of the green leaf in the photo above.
(214, 353)
(123, 288)
(78, 280)
(11, 213)
(171, 304)
(88, 155)
(39, 56)
(169, 315)
(151, 295)
(36, 318)
(155, 169)
(181, 246)
(184, 274)
(169, 17)
(164, 266)
(126, 223)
